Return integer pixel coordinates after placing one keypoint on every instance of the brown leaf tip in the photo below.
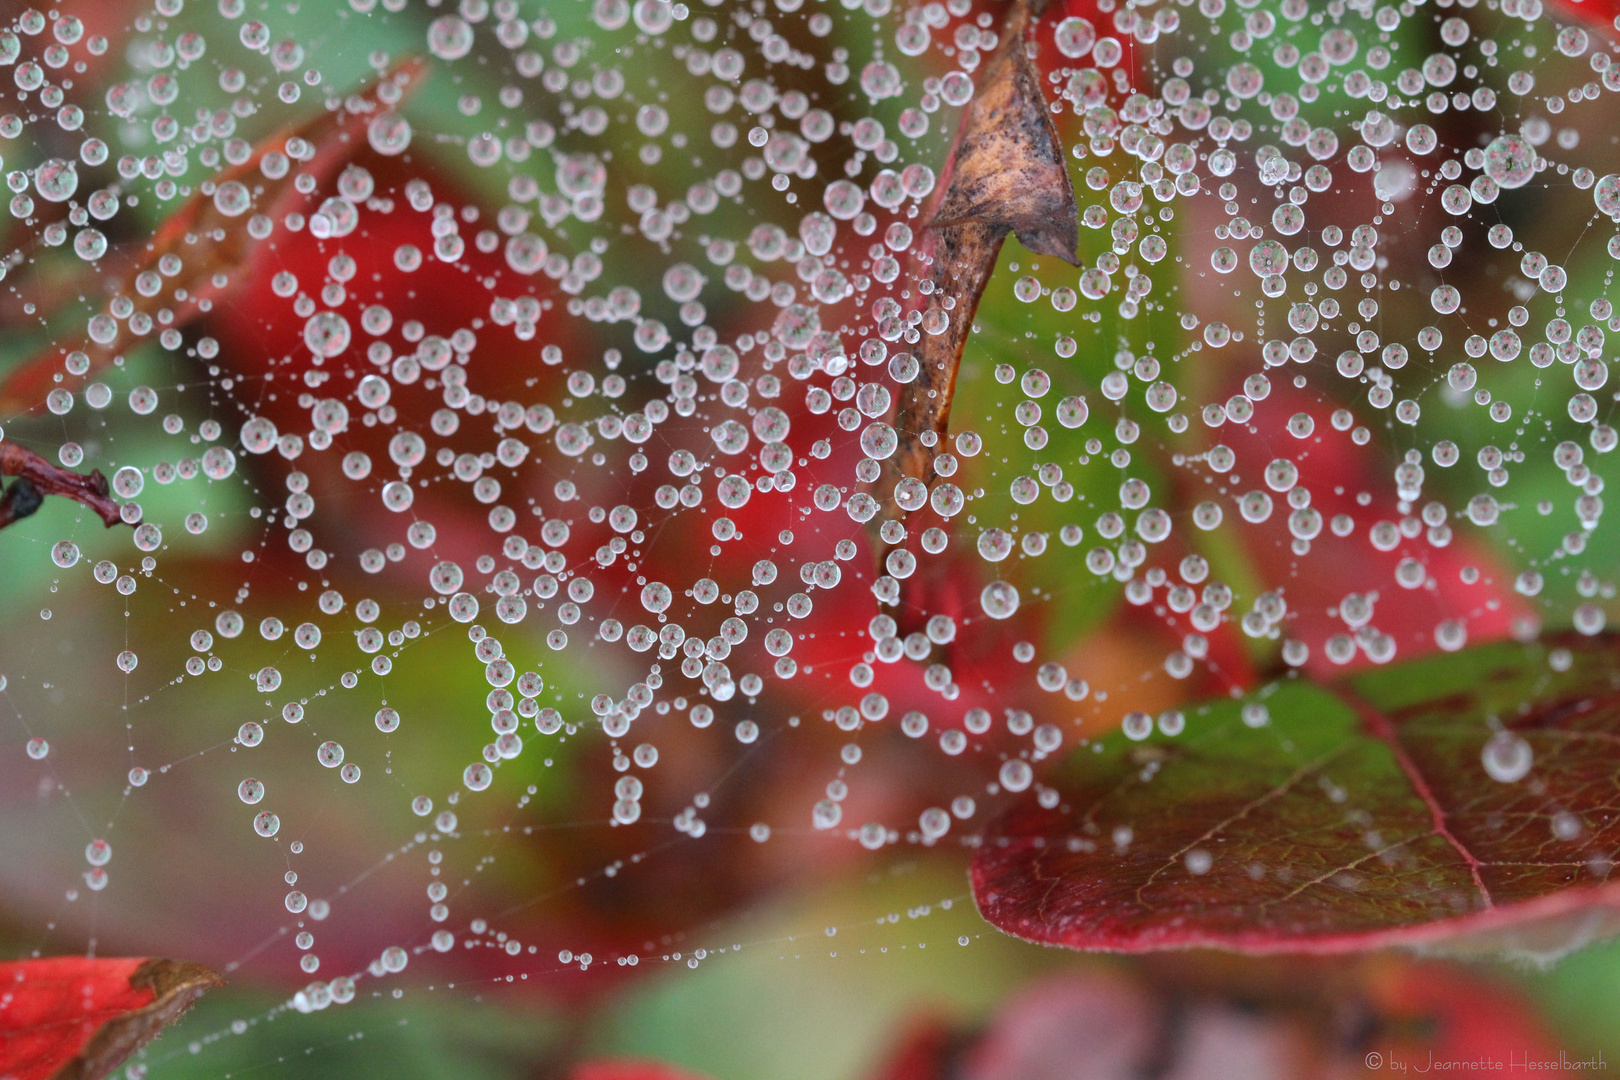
(1007, 169)
(166, 977)
(175, 984)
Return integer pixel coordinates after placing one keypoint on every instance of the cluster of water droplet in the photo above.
(651, 480)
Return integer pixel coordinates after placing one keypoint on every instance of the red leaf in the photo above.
(72, 1017)
(1110, 1024)
(1595, 13)
(1464, 1018)
(1361, 815)
(216, 247)
(630, 1070)
(1343, 478)
(924, 1052)
(257, 330)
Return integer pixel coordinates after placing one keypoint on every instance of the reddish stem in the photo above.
(38, 478)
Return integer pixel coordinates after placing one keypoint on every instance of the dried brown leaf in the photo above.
(1006, 174)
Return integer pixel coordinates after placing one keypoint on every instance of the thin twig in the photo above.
(38, 478)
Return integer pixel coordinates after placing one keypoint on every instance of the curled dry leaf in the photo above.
(73, 1018)
(37, 478)
(1469, 794)
(207, 240)
(1005, 174)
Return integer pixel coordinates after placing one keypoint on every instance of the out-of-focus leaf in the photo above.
(630, 1070)
(73, 1018)
(1452, 589)
(1220, 1019)
(1433, 1013)
(1600, 13)
(1469, 793)
(207, 240)
(923, 1052)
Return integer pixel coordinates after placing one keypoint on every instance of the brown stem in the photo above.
(1005, 174)
(38, 478)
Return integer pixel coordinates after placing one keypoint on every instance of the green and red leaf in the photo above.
(1471, 793)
